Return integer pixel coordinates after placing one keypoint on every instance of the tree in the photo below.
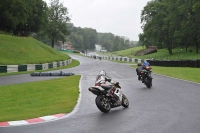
(12, 13)
(171, 23)
(113, 43)
(189, 11)
(83, 38)
(56, 28)
(156, 24)
(21, 17)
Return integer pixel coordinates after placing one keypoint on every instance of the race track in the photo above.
(170, 106)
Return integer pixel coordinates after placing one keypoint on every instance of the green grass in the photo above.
(26, 50)
(185, 73)
(126, 52)
(129, 51)
(35, 99)
(163, 54)
(178, 54)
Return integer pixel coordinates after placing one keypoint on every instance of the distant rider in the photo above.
(141, 67)
(146, 63)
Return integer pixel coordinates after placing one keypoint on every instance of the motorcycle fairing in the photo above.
(96, 90)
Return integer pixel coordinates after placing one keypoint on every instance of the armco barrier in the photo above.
(166, 63)
(3, 69)
(32, 67)
(58, 64)
(176, 63)
(50, 65)
(38, 67)
(198, 63)
(22, 68)
(12, 68)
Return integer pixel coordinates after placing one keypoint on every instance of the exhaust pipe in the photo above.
(90, 89)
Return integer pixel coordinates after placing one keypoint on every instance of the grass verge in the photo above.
(27, 50)
(35, 99)
(185, 73)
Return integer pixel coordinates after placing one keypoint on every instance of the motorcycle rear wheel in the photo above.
(125, 102)
(103, 104)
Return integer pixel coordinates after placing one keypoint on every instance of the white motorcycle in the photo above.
(108, 97)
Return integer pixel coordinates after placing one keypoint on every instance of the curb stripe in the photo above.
(34, 120)
(3, 124)
(47, 118)
(31, 121)
(15, 123)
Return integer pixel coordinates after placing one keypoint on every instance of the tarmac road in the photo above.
(170, 106)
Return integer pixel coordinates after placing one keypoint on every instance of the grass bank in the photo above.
(26, 50)
(35, 99)
(161, 54)
(185, 73)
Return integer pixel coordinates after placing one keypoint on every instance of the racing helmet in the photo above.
(102, 72)
(146, 63)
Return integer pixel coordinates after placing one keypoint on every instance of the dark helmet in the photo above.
(139, 64)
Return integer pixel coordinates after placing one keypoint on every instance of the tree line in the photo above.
(113, 42)
(19, 17)
(83, 38)
(51, 24)
(171, 23)
(25, 17)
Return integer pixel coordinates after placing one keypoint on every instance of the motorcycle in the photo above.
(109, 97)
(145, 76)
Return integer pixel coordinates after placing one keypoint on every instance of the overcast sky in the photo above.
(120, 17)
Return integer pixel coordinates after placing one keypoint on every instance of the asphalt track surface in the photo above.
(170, 106)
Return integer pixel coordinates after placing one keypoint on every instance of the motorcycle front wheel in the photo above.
(148, 82)
(103, 104)
(125, 102)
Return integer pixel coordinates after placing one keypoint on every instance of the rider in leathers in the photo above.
(102, 79)
(139, 69)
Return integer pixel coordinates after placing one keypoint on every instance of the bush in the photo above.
(76, 51)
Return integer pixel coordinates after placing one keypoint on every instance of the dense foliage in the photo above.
(50, 24)
(171, 23)
(113, 43)
(22, 17)
(83, 38)
(19, 17)
(55, 29)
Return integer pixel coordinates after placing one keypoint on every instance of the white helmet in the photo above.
(102, 72)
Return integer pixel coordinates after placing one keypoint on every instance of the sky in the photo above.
(120, 17)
